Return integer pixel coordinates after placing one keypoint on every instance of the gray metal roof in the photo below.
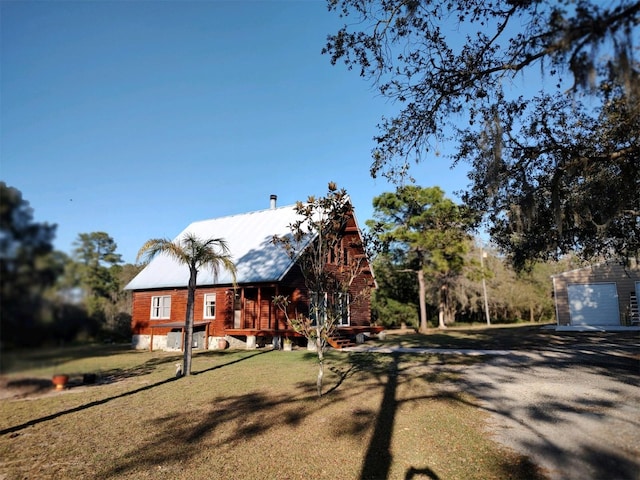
(248, 237)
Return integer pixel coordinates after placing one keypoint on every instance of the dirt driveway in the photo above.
(574, 410)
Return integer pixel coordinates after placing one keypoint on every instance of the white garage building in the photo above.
(603, 295)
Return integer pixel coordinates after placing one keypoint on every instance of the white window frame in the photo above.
(161, 307)
(207, 303)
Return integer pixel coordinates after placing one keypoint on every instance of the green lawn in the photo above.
(244, 415)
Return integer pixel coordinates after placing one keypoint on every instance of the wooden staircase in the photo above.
(339, 341)
(633, 310)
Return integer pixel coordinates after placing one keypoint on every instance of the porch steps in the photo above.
(339, 341)
(633, 309)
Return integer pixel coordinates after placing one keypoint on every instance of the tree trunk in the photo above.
(422, 294)
(442, 306)
(450, 317)
(320, 352)
(188, 324)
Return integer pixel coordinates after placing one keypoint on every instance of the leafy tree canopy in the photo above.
(27, 266)
(96, 255)
(21, 239)
(422, 221)
(96, 248)
(542, 161)
(194, 253)
(422, 227)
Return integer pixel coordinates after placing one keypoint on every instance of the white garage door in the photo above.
(594, 304)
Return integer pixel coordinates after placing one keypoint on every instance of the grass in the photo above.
(245, 415)
(515, 336)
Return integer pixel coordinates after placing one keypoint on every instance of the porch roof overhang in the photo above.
(290, 331)
(179, 324)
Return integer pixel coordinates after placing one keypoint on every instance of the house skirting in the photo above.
(239, 338)
(143, 342)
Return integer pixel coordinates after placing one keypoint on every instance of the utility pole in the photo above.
(483, 255)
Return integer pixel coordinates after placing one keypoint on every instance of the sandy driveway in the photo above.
(574, 411)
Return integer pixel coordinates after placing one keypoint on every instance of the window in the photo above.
(333, 256)
(210, 305)
(342, 309)
(338, 254)
(161, 307)
(319, 308)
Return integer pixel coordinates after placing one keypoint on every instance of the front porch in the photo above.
(253, 337)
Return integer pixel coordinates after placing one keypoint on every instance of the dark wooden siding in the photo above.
(141, 310)
(363, 284)
(256, 303)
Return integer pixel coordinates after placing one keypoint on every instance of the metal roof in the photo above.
(631, 265)
(249, 238)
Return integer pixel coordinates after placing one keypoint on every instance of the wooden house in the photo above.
(598, 296)
(244, 316)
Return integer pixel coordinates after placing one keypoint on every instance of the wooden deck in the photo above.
(267, 332)
(341, 338)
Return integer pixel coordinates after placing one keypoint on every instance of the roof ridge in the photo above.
(242, 214)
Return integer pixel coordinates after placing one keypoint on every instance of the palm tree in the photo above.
(195, 253)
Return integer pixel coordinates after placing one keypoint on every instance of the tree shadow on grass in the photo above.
(227, 421)
(531, 338)
(15, 360)
(231, 362)
(357, 362)
(378, 459)
(30, 387)
(426, 472)
(227, 424)
(79, 408)
(25, 387)
(113, 376)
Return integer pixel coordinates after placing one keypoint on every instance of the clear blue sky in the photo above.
(136, 118)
